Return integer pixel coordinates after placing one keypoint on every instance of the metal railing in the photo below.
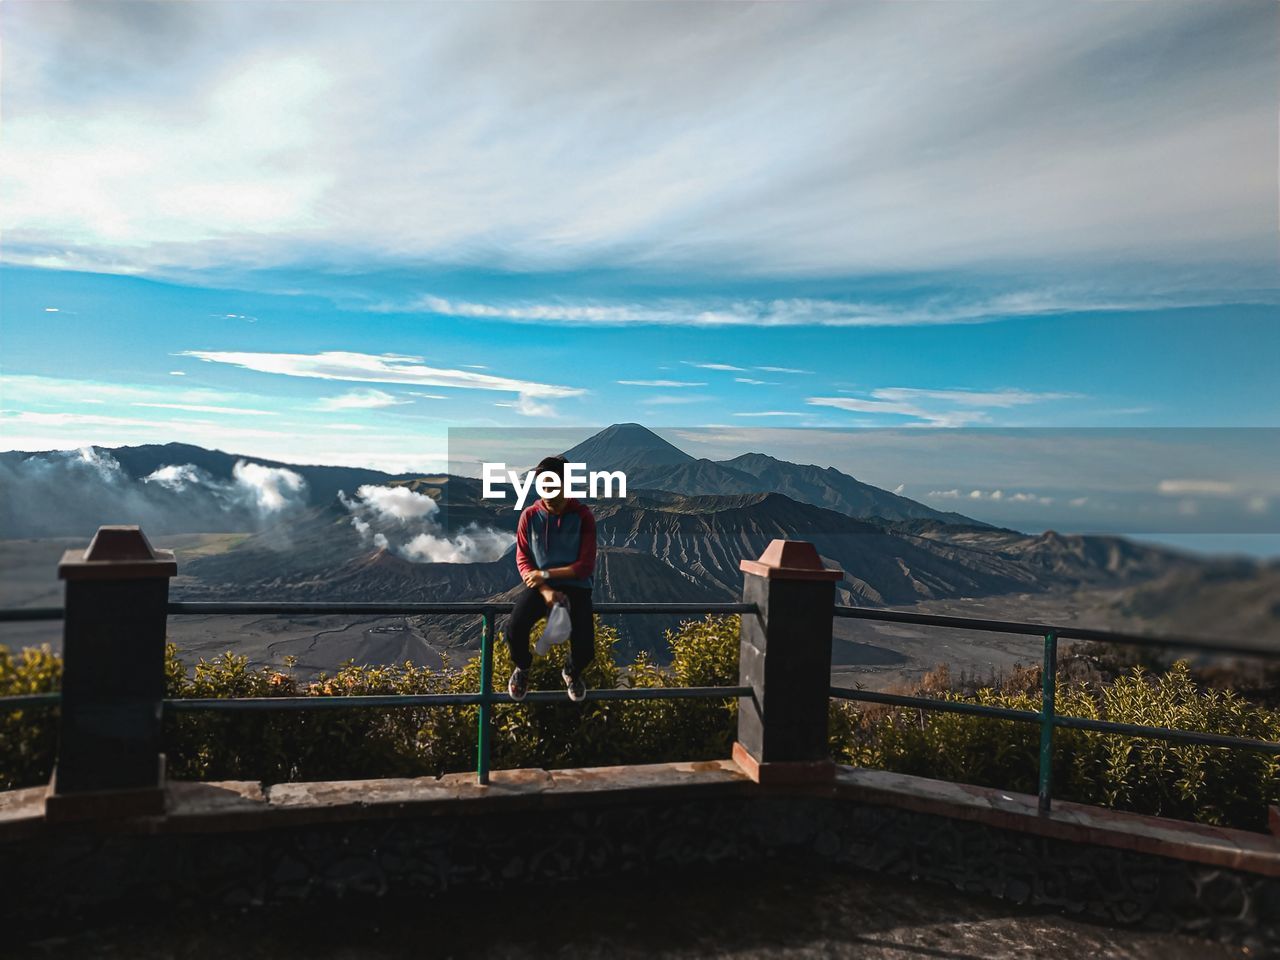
(1047, 716)
(484, 698)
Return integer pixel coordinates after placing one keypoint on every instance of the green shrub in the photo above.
(1213, 785)
(1209, 784)
(429, 741)
(28, 737)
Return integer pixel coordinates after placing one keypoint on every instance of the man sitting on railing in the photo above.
(556, 555)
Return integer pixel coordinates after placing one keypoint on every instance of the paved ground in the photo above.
(728, 913)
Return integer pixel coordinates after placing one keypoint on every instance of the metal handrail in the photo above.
(1078, 723)
(485, 698)
(460, 607)
(24, 700)
(396, 700)
(1061, 632)
(30, 614)
(1047, 716)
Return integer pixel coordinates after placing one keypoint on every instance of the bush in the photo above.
(431, 741)
(28, 737)
(1209, 784)
(1212, 785)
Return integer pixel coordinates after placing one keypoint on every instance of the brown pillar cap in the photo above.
(117, 553)
(790, 560)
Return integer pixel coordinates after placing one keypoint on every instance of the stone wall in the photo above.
(549, 835)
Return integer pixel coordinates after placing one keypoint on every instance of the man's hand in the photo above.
(552, 597)
(534, 579)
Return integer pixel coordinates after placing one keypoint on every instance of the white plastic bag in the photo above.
(557, 629)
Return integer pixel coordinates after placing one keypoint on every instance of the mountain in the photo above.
(76, 501)
(828, 487)
(678, 536)
(706, 537)
(1220, 599)
(1071, 558)
(629, 447)
(653, 547)
(651, 463)
(323, 482)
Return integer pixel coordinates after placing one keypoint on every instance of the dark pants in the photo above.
(530, 608)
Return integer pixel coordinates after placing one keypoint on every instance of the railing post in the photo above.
(486, 692)
(1048, 708)
(109, 749)
(785, 657)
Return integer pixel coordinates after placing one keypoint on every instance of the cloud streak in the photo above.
(946, 408)
(359, 400)
(368, 368)
(892, 310)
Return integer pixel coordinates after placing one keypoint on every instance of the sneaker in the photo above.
(518, 685)
(577, 689)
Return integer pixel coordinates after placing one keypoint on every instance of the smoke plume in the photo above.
(72, 493)
(408, 523)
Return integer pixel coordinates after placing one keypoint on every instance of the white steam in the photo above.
(72, 493)
(254, 488)
(103, 464)
(272, 488)
(398, 503)
(473, 544)
(407, 523)
(175, 477)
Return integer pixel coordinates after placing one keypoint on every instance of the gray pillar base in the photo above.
(123, 804)
(783, 771)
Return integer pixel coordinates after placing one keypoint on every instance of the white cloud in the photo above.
(87, 426)
(930, 418)
(715, 366)
(905, 402)
(527, 406)
(36, 390)
(208, 408)
(660, 383)
(388, 368)
(669, 400)
(177, 373)
(753, 383)
(970, 398)
(132, 180)
(176, 140)
(1205, 488)
(359, 400)
(789, 312)
(994, 496)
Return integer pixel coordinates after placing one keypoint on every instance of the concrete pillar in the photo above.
(785, 657)
(109, 759)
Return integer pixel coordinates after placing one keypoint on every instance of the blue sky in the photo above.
(329, 233)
